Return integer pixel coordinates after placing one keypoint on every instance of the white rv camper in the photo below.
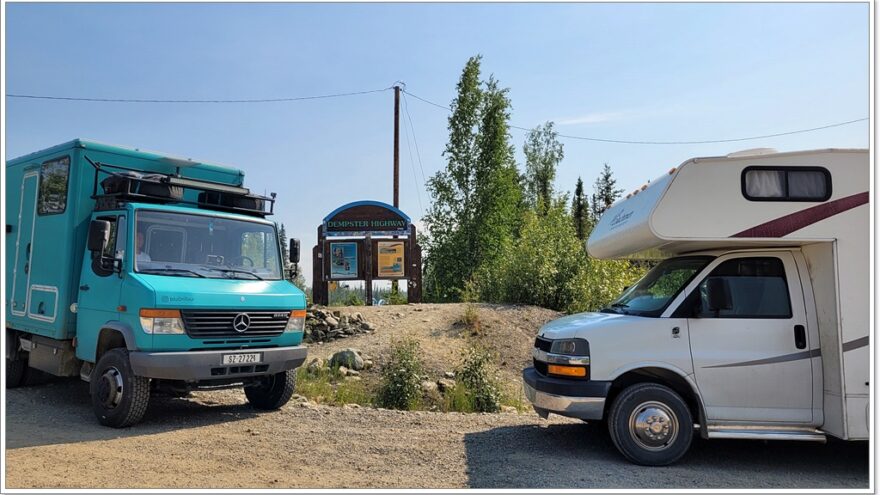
(755, 324)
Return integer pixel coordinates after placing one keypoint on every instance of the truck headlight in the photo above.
(297, 321)
(570, 347)
(162, 321)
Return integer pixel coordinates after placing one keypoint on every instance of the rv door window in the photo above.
(53, 186)
(758, 289)
(786, 184)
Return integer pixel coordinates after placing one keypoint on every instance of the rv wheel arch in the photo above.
(112, 336)
(662, 376)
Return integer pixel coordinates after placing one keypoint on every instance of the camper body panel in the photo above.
(790, 367)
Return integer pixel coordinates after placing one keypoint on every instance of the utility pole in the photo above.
(394, 287)
(396, 146)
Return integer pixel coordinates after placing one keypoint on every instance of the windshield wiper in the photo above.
(233, 270)
(166, 269)
(620, 305)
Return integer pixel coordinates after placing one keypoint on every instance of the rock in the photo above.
(367, 326)
(428, 387)
(449, 375)
(351, 406)
(333, 322)
(299, 398)
(337, 313)
(445, 384)
(368, 363)
(353, 378)
(315, 364)
(349, 372)
(358, 317)
(508, 410)
(350, 358)
(343, 371)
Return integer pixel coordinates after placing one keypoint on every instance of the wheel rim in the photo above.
(653, 425)
(110, 388)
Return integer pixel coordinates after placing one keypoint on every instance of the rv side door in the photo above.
(750, 343)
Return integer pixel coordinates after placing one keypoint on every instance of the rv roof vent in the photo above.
(752, 152)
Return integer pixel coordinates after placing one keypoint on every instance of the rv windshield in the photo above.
(182, 245)
(650, 295)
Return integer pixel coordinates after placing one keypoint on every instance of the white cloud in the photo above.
(592, 118)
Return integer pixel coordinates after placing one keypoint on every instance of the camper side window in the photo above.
(53, 186)
(786, 184)
(757, 289)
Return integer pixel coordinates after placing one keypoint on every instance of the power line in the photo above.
(255, 100)
(708, 141)
(413, 168)
(413, 128)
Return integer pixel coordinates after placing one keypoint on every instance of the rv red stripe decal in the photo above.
(783, 226)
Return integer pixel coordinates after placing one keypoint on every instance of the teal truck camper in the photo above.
(145, 273)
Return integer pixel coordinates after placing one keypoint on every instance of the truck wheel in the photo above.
(16, 370)
(273, 391)
(650, 424)
(119, 397)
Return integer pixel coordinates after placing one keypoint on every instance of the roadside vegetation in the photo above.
(496, 234)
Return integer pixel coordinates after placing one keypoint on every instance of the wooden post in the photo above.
(320, 290)
(414, 272)
(368, 270)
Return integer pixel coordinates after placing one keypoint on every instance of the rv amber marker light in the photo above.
(555, 369)
(160, 313)
(671, 170)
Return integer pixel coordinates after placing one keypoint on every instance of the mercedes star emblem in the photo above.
(241, 322)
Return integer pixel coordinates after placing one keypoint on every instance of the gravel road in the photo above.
(216, 440)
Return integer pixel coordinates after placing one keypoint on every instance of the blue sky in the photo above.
(619, 71)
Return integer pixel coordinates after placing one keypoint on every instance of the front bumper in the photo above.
(208, 365)
(584, 399)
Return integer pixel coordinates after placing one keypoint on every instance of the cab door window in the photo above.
(757, 288)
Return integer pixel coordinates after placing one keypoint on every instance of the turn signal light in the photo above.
(160, 313)
(577, 371)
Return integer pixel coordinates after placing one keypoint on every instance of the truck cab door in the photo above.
(752, 359)
(99, 292)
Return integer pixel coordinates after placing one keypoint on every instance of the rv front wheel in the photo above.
(273, 391)
(119, 397)
(650, 424)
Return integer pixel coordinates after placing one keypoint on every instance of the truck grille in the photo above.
(206, 323)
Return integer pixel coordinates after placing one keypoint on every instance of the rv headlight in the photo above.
(297, 321)
(161, 321)
(570, 347)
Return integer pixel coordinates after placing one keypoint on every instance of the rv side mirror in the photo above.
(718, 294)
(99, 235)
(294, 251)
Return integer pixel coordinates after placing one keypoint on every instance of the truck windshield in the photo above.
(652, 294)
(182, 245)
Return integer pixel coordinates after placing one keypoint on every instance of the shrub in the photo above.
(471, 318)
(476, 375)
(401, 377)
(328, 386)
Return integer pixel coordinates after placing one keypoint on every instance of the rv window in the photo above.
(786, 184)
(53, 186)
(758, 289)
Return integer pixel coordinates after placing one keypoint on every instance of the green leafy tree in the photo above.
(449, 220)
(606, 192)
(543, 152)
(497, 193)
(285, 254)
(580, 212)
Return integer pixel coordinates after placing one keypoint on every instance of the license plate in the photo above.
(249, 358)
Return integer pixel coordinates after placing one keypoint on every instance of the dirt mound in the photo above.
(508, 331)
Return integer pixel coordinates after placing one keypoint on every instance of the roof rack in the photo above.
(127, 184)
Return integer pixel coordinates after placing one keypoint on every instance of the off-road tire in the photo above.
(273, 391)
(131, 400)
(16, 370)
(647, 397)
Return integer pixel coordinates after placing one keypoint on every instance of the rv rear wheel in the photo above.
(16, 370)
(650, 424)
(119, 397)
(273, 391)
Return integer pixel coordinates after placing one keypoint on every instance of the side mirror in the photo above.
(294, 251)
(718, 294)
(99, 236)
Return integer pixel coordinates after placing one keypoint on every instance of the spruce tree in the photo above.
(580, 211)
(606, 192)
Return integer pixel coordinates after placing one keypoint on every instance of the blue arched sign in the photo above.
(362, 217)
